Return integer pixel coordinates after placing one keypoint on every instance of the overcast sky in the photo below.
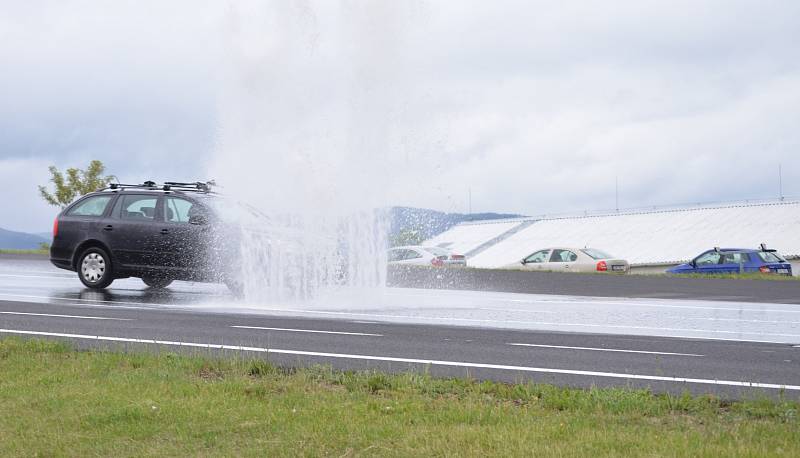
(537, 107)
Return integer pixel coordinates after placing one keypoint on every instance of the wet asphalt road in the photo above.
(723, 346)
(598, 285)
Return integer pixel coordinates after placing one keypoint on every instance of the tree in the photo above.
(406, 237)
(76, 183)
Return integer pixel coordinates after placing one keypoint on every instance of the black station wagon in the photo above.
(158, 233)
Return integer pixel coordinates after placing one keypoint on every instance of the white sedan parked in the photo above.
(572, 260)
(425, 256)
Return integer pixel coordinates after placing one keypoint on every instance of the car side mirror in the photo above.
(693, 263)
(522, 262)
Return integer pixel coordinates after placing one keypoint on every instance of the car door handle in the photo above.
(108, 228)
(164, 231)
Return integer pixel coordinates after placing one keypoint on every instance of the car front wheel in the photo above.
(94, 268)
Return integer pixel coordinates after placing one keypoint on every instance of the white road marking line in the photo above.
(744, 321)
(590, 302)
(605, 349)
(98, 303)
(36, 276)
(513, 310)
(414, 360)
(593, 301)
(67, 316)
(87, 302)
(545, 323)
(70, 274)
(310, 330)
(681, 317)
(722, 339)
(596, 301)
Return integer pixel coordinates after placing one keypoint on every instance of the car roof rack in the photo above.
(764, 248)
(197, 186)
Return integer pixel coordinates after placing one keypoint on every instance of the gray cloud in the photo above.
(535, 106)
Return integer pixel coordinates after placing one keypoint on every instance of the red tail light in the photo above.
(602, 266)
(55, 228)
(436, 262)
(763, 269)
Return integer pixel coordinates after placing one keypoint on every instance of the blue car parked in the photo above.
(735, 260)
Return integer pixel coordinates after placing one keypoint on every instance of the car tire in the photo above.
(157, 282)
(95, 269)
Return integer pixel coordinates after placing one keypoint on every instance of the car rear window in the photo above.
(767, 256)
(596, 254)
(93, 206)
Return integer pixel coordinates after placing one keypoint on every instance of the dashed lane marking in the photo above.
(314, 331)
(82, 317)
(604, 349)
(433, 362)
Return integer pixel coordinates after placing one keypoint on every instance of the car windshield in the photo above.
(436, 251)
(768, 256)
(596, 254)
(232, 211)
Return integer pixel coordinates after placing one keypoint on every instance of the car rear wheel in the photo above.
(94, 268)
(157, 282)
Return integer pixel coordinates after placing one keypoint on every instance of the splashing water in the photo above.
(311, 143)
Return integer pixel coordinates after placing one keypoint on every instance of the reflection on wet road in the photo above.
(35, 280)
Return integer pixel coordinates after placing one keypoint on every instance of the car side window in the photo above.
(711, 257)
(136, 207)
(735, 258)
(563, 256)
(395, 255)
(93, 206)
(412, 254)
(176, 210)
(539, 256)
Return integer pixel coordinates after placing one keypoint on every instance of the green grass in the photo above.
(41, 252)
(746, 276)
(55, 401)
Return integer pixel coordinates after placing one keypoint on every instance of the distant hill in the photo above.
(11, 240)
(429, 223)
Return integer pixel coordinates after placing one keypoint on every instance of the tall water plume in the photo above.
(308, 136)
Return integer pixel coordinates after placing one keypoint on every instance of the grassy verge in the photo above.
(40, 252)
(56, 401)
(746, 276)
